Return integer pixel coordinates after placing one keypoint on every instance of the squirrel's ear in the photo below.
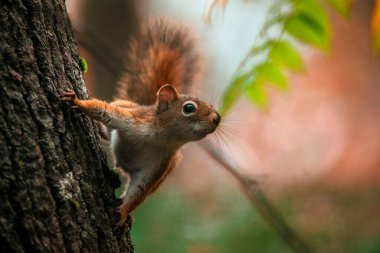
(166, 95)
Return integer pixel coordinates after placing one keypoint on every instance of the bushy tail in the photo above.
(164, 53)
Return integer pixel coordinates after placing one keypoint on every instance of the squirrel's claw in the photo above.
(68, 95)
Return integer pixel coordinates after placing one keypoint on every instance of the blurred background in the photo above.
(314, 148)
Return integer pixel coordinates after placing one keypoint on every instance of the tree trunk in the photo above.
(55, 186)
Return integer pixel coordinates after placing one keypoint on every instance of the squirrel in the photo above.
(152, 119)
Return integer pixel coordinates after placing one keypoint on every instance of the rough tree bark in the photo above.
(55, 190)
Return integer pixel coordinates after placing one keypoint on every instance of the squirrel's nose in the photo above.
(216, 119)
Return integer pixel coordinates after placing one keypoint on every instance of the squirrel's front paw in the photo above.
(69, 96)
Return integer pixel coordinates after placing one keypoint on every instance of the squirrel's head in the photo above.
(187, 118)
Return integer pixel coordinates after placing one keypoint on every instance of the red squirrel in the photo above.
(152, 120)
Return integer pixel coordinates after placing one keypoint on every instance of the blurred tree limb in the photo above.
(260, 202)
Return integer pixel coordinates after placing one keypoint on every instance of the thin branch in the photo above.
(260, 202)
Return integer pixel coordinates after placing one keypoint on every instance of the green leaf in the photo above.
(256, 93)
(270, 73)
(83, 64)
(309, 23)
(307, 29)
(284, 54)
(315, 11)
(341, 6)
(233, 92)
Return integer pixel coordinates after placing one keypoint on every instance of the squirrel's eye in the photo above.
(189, 108)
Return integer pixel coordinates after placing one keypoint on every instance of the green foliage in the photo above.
(233, 92)
(284, 54)
(280, 55)
(255, 92)
(305, 21)
(309, 23)
(83, 64)
(271, 73)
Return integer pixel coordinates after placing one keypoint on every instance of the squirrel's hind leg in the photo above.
(138, 189)
(125, 180)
